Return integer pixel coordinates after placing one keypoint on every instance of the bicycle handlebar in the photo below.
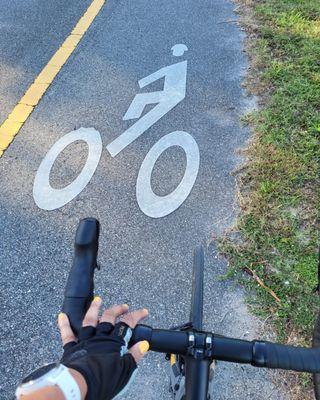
(79, 289)
(257, 353)
(201, 345)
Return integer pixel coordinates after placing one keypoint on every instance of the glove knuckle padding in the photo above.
(104, 328)
(86, 332)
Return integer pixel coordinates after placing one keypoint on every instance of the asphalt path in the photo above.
(145, 261)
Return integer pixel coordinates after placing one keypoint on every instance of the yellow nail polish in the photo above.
(61, 316)
(125, 305)
(97, 299)
(144, 347)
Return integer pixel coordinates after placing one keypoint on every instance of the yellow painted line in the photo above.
(21, 112)
(34, 94)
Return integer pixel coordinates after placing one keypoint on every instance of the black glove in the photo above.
(101, 357)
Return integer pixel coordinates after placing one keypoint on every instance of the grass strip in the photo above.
(277, 231)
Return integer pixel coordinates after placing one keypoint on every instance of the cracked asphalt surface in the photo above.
(145, 262)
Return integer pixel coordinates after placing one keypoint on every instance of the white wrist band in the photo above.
(67, 384)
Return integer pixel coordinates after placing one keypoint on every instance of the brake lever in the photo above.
(80, 285)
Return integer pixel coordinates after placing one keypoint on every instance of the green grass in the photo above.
(278, 186)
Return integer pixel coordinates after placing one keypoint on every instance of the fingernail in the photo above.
(144, 347)
(145, 311)
(125, 305)
(97, 299)
(61, 316)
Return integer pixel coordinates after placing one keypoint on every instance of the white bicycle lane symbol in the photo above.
(174, 91)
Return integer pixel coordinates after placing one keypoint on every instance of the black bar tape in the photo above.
(79, 289)
(278, 356)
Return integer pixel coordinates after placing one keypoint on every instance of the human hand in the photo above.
(100, 353)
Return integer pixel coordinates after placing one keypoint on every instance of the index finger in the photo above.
(92, 315)
(132, 318)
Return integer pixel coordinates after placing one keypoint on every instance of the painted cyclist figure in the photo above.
(173, 92)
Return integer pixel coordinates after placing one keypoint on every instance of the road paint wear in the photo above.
(21, 112)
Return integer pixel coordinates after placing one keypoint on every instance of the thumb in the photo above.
(66, 332)
(139, 350)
